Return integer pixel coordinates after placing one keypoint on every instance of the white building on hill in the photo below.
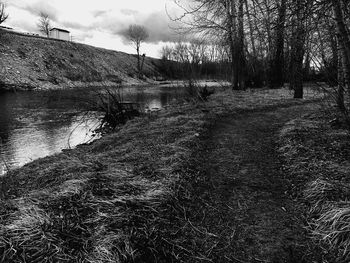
(59, 33)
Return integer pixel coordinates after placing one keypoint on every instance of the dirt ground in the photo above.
(240, 209)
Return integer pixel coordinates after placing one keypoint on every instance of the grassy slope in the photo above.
(115, 200)
(317, 161)
(36, 62)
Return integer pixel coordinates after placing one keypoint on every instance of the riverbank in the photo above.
(30, 62)
(122, 198)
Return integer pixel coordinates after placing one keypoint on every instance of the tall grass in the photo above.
(317, 160)
(333, 228)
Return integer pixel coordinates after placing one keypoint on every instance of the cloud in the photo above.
(106, 17)
(156, 23)
(129, 12)
(76, 25)
(24, 22)
(113, 22)
(158, 26)
(82, 36)
(42, 7)
(99, 13)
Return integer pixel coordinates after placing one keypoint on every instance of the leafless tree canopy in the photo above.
(3, 14)
(137, 34)
(44, 24)
(274, 40)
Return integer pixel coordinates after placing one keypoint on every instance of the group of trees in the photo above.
(195, 58)
(285, 41)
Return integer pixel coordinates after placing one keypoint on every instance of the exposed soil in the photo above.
(240, 209)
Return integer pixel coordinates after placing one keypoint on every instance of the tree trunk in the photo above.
(296, 69)
(231, 39)
(298, 50)
(240, 46)
(138, 59)
(341, 82)
(306, 68)
(235, 32)
(344, 38)
(277, 67)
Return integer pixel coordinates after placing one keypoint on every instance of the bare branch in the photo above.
(3, 14)
(137, 34)
(44, 23)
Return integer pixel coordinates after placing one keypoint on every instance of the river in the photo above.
(40, 123)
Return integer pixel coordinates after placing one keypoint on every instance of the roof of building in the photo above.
(59, 29)
(6, 27)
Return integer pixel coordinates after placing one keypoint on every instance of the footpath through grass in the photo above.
(120, 198)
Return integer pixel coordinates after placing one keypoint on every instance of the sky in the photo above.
(99, 23)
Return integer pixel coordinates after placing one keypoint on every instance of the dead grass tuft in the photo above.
(333, 227)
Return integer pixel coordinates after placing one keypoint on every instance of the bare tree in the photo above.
(137, 34)
(166, 52)
(224, 20)
(3, 14)
(44, 23)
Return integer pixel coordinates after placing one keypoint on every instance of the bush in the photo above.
(195, 92)
(115, 111)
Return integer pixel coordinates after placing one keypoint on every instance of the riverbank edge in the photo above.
(108, 84)
(316, 153)
(79, 85)
(117, 200)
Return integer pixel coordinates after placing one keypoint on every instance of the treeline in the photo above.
(195, 59)
(271, 42)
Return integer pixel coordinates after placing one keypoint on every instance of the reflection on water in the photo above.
(37, 124)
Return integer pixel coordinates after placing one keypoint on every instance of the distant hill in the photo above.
(33, 62)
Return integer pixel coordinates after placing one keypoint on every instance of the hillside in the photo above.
(32, 62)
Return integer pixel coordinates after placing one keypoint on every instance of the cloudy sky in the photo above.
(99, 23)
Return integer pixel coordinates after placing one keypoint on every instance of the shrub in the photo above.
(195, 92)
(115, 111)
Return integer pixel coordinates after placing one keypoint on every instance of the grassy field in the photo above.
(118, 199)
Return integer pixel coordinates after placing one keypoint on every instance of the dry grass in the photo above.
(333, 227)
(119, 198)
(317, 160)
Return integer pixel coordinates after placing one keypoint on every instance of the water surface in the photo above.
(41, 123)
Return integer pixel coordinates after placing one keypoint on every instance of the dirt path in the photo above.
(240, 210)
